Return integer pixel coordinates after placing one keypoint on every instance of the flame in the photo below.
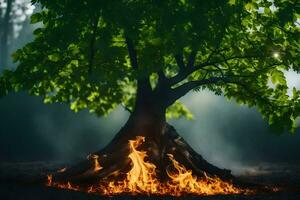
(68, 185)
(142, 179)
(49, 180)
(142, 176)
(184, 182)
(95, 158)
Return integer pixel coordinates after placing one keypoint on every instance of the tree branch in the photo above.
(127, 108)
(183, 89)
(183, 71)
(132, 53)
(143, 86)
(180, 91)
(92, 44)
(258, 96)
(179, 60)
(191, 59)
(162, 79)
(184, 74)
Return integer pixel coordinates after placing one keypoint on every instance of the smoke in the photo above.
(76, 135)
(31, 130)
(234, 136)
(224, 133)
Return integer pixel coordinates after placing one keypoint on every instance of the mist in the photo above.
(31, 130)
(235, 136)
(226, 134)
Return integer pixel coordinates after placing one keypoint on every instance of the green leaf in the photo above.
(277, 76)
(249, 6)
(35, 18)
(232, 2)
(54, 57)
(178, 110)
(74, 63)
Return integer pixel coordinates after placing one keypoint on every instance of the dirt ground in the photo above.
(25, 192)
(14, 185)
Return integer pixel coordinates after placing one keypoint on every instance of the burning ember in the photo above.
(142, 179)
(97, 166)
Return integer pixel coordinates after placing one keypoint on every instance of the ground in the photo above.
(26, 192)
(14, 185)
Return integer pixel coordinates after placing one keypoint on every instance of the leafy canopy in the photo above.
(231, 47)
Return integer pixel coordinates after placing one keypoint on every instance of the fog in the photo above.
(235, 136)
(226, 134)
(31, 130)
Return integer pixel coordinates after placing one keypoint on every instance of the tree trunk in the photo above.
(147, 120)
(161, 139)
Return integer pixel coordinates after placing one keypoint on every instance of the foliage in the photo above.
(234, 48)
(177, 110)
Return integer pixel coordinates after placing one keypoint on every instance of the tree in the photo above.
(13, 14)
(146, 55)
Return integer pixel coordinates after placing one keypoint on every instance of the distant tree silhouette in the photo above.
(13, 14)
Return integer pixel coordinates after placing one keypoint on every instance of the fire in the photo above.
(142, 179)
(67, 185)
(95, 158)
(184, 182)
(49, 179)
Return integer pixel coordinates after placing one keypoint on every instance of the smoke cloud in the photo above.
(226, 134)
(234, 136)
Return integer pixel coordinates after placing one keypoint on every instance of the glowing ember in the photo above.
(62, 170)
(49, 179)
(67, 185)
(142, 179)
(97, 166)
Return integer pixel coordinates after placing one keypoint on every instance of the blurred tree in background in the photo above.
(13, 17)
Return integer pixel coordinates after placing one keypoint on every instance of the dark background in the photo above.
(225, 133)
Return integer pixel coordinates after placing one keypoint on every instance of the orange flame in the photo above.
(142, 179)
(67, 185)
(95, 158)
(142, 176)
(49, 180)
(184, 182)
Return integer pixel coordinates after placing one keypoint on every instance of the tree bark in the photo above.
(147, 120)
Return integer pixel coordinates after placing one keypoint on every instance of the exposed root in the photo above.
(141, 177)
